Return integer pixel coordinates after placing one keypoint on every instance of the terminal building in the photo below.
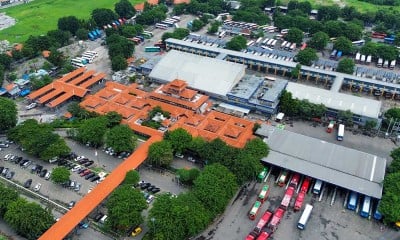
(222, 80)
(338, 165)
(331, 79)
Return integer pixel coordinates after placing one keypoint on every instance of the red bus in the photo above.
(295, 180)
(299, 201)
(378, 35)
(264, 236)
(254, 210)
(263, 221)
(305, 185)
(273, 225)
(287, 197)
(303, 46)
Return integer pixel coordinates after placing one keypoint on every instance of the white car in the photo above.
(37, 187)
(77, 168)
(6, 157)
(80, 158)
(179, 155)
(31, 106)
(47, 176)
(150, 199)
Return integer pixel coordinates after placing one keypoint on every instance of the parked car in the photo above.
(145, 185)
(81, 170)
(88, 164)
(23, 162)
(83, 161)
(86, 172)
(151, 188)
(37, 187)
(4, 145)
(84, 224)
(98, 217)
(28, 183)
(10, 175)
(150, 199)
(39, 168)
(80, 158)
(76, 168)
(17, 160)
(77, 187)
(31, 106)
(1, 169)
(47, 176)
(43, 173)
(155, 190)
(179, 155)
(5, 171)
(95, 178)
(71, 204)
(90, 175)
(7, 156)
(26, 164)
(136, 231)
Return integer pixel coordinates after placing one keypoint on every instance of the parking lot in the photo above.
(326, 222)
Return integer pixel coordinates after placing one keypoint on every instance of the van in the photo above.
(317, 187)
(53, 160)
(47, 176)
(103, 219)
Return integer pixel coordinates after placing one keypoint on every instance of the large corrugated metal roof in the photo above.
(335, 100)
(202, 73)
(345, 167)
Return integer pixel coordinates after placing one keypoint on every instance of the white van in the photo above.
(103, 219)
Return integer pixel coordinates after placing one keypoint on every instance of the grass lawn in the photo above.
(359, 5)
(40, 16)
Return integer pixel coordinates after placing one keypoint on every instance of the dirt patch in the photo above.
(6, 21)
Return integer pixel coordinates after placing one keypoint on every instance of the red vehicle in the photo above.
(303, 46)
(287, 197)
(263, 221)
(378, 35)
(160, 44)
(264, 236)
(295, 180)
(299, 201)
(251, 236)
(273, 225)
(86, 172)
(305, 185)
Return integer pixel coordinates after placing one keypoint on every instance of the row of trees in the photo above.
(198, 7)
(244, 163)
(8, 116)
(99, 130)
(38, 140)
(28, 219)
(390, 202)
(175, 218)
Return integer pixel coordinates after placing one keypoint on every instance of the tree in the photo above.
(121, 139)
(213, 28)
(82, 34)
(346, 65)
(160, 153)
(393, 113)
(326, 13)
(370, 124)
(113, 118)
(60, 37)
(307, 56)
(349, 13)
(124, 9)
(130, 31)
(352, 31)
(8, 196)
(370, 48)
(343, 44)
(131, 178)
(346, 117)
(103, 16)
(92, 131)
(29, 220)
(197, 145)
(395, 164)
(124, 209)
(70, 23)
(294, 35)
(187, 176)
(118, 63)
(237, 43)
(177, 218)
(287, 104)
(77, 111)
(245, 167)
(60, 175)
(387, 52)
(179, 139)
(319, 40)
(56, 57)
(55, 149)
(390, 199)
(215, 186)
(295, 71)
(8, 116)
(197, 25)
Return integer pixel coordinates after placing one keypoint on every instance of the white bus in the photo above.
(265, 41)
(380, 62)
(222, 34)
(358, 56)
(93, 53)
(292, 47)
(176, 18)
(317, 187)
(288, 44)
(259, 40)
(304, 217)
(88, 58)
(250, 43)
(150, 33)
(161, 26)
(78, 60)
(283, 44)
(369, 58)
(273, 43)
(340, 134)
(366, 207)
(392, 64)
(270, 41)
(77, 65)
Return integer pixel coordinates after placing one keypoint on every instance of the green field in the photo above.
(40, 16)
(359, 5)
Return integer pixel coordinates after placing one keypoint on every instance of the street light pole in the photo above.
(153, 220)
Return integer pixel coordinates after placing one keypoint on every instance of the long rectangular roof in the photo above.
(335, 100)
(345, 167)
(202, 73)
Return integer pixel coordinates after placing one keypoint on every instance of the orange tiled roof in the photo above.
(67, 115)
(18, 47)
(140, 6)
(181, 1)
(46, 53)
(10, 87)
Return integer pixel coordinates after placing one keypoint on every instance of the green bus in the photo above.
(152, 49)
(262, 174)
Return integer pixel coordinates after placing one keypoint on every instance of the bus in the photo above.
(366, 207)
(146, 35)
(282, 178)
(161, 26)
(305, 185)
(299, 201)
(176, 18)
(380, 62)
(77, 65)
(265, 41)
(273, 43)
(340, 134)
(283, 44)
(317, 187)
(287, 197)
(78, 61)
(250, 43)
(222, 34)
(294, 182)
(262, 174)
(377, 214)
(152, 49)
(333, 54)
(263, 221)
(264, 236)
(303, 46)
(254, 210)
(304, 217)
(352, 204)
(270, 42)
(168, 23)
(359, 43)
(263, 194)
(259, 40)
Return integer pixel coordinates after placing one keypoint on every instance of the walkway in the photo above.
(86, 205)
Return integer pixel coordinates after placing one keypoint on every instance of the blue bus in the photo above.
(366, 207)
(377, 214)
(352, 203)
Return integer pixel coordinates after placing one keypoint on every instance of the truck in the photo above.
(305, 185)
(263, 221)
(282, 178)
(276, 218)
(287, 197)
(330, 126)
(294, 182)
(264, 236)
(254, 210)
(263, 194)
(299, 201)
